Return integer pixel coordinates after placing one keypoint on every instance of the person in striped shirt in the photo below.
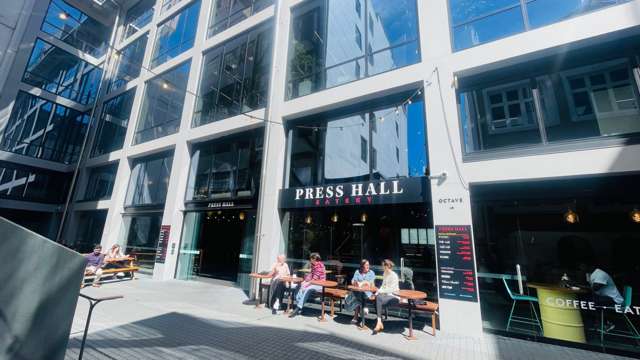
(317, 272)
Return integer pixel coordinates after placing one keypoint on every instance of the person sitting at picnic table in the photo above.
(306, 289)
(384, 295)
(95, 260)
(276, 289)
(364, 277)
(114, 253)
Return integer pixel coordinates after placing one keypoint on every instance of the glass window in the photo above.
(100, 182)
(168, 4)
(477, 22)
(577, 103)
(226, 168)
(176, 35)
(90, 228)
(226, 13)
(320, 56)
(142, 235)
(129, 63)
(62, 73)
(45, 130)
(337, 150)
(162, 104)
(75, 28)
(138, 16)
(149, 181)
(19, 182)
(235, 77)
(113, 123)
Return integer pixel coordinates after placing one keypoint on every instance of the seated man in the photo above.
(604, 289)
(306, 289)
(95, 261)
(277, 287)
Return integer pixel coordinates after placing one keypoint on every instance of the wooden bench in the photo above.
(130, 268)
(335, 294)
(429, 308)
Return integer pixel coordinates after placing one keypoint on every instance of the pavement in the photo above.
(202, 320)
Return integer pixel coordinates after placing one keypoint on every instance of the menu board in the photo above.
(163, 241)
(456, 270)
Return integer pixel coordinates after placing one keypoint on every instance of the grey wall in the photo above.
(38, 294)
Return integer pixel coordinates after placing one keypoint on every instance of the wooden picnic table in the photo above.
(259, 292)
(411, 296)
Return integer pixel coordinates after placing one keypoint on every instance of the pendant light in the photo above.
(635, 215)
(334, 217)
(363, 217)
(308, 220)
(241, 215)
(571, 217)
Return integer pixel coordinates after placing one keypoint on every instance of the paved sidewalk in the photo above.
(196, 320)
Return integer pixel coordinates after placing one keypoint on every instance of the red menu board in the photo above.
(456, 270)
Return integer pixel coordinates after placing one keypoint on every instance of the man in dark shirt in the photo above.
(95, 261)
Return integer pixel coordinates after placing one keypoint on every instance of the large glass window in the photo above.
(149, 181)
(19, 182)
(176, 35)
(557, 260)
(335, 150)
(138, 16)
(75, 28)
(90, 227)
(226, 13)
(476, 22)
(62, 73)
(226, 168)
(596, 100)
(235, 77)
(45, 130)
(100, 182)
(129, 63)
(162, 104)
(321, 56)
(141, 239)
(113, 123)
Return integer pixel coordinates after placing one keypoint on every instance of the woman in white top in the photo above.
(384, 295)
(277, 287)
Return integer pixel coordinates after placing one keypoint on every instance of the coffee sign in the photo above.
(409, 190)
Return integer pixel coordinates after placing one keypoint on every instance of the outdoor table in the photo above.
(324, 284)
(259, 293)
(411, 296)
(363, 301)
(290, 280)
(125, 258)
(560, 320)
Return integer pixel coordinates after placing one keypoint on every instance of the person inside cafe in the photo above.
(364, 277)
(605, 292)
(279, 270)
(95, 261)
(384, 295)
(306, 289)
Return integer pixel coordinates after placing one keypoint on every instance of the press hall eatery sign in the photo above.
(398, 191)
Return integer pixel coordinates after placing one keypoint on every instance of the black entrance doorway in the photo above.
(219, 246)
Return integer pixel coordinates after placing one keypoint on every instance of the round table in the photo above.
(324, 284)
(411, 296)
(559, 319)
(259, 292)
(290, 280)
(363, 301)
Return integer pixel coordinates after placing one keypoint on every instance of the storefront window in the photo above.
(162, 104)
(176, 35)
(595, 96)
(75, 28)
(61, 73)
(226, 13)
(235, 77)
(319, 58)
(538, 255)
(149, 181)
(226, 168)
(100, 182)
(113, 123)
(129, 63)
(142, 234)
(138, 16)
(386, 143)
(478, 22)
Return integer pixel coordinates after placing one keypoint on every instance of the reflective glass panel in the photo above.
(113, 123)
(19, 182)
(149, 181)
(176, 35)
(226, 13)
(138, 16)
(100, 182)
(129, 63)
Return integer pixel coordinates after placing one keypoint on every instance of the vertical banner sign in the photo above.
(456, 270)
(163, 242)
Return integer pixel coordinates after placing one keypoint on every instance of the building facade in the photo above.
(489, 148)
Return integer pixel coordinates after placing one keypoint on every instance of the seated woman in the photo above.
(364, 277)
(115, 253)
(279, 270)
(306, 289)
(384, 295)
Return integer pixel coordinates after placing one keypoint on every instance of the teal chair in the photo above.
(522, 319)
(631, 332)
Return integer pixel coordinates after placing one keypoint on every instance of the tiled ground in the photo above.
(196, 320)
